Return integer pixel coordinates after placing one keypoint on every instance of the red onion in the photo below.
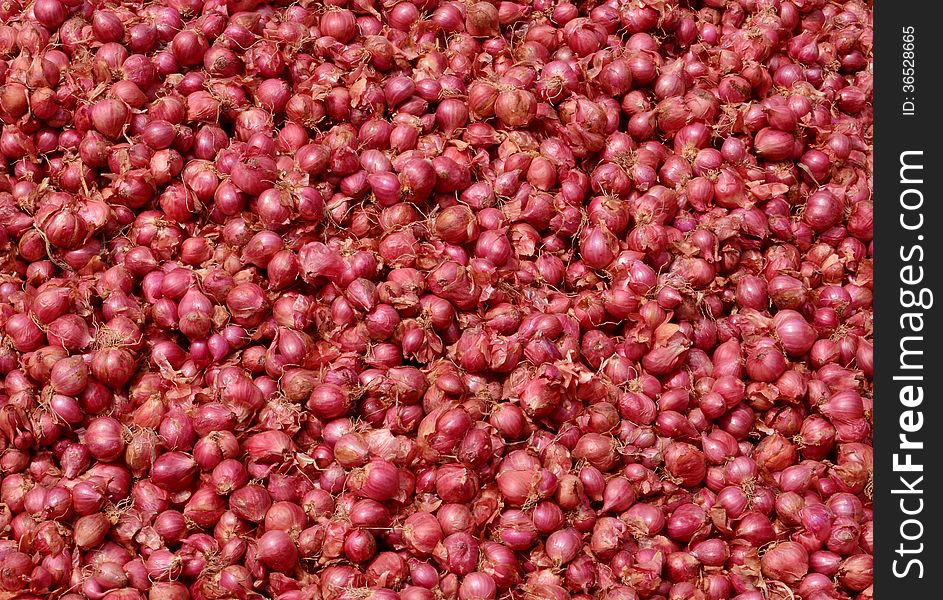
(104, 438)
(277, 551)
(438, 298)
(563, 546)
(787, 562)
(686, 463)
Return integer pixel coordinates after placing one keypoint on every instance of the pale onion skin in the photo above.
(436, 299)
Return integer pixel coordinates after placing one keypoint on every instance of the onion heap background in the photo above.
(367, 300)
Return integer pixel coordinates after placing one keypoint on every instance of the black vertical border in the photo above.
(895, 133)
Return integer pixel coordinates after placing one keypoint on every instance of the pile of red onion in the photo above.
(436, 300)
